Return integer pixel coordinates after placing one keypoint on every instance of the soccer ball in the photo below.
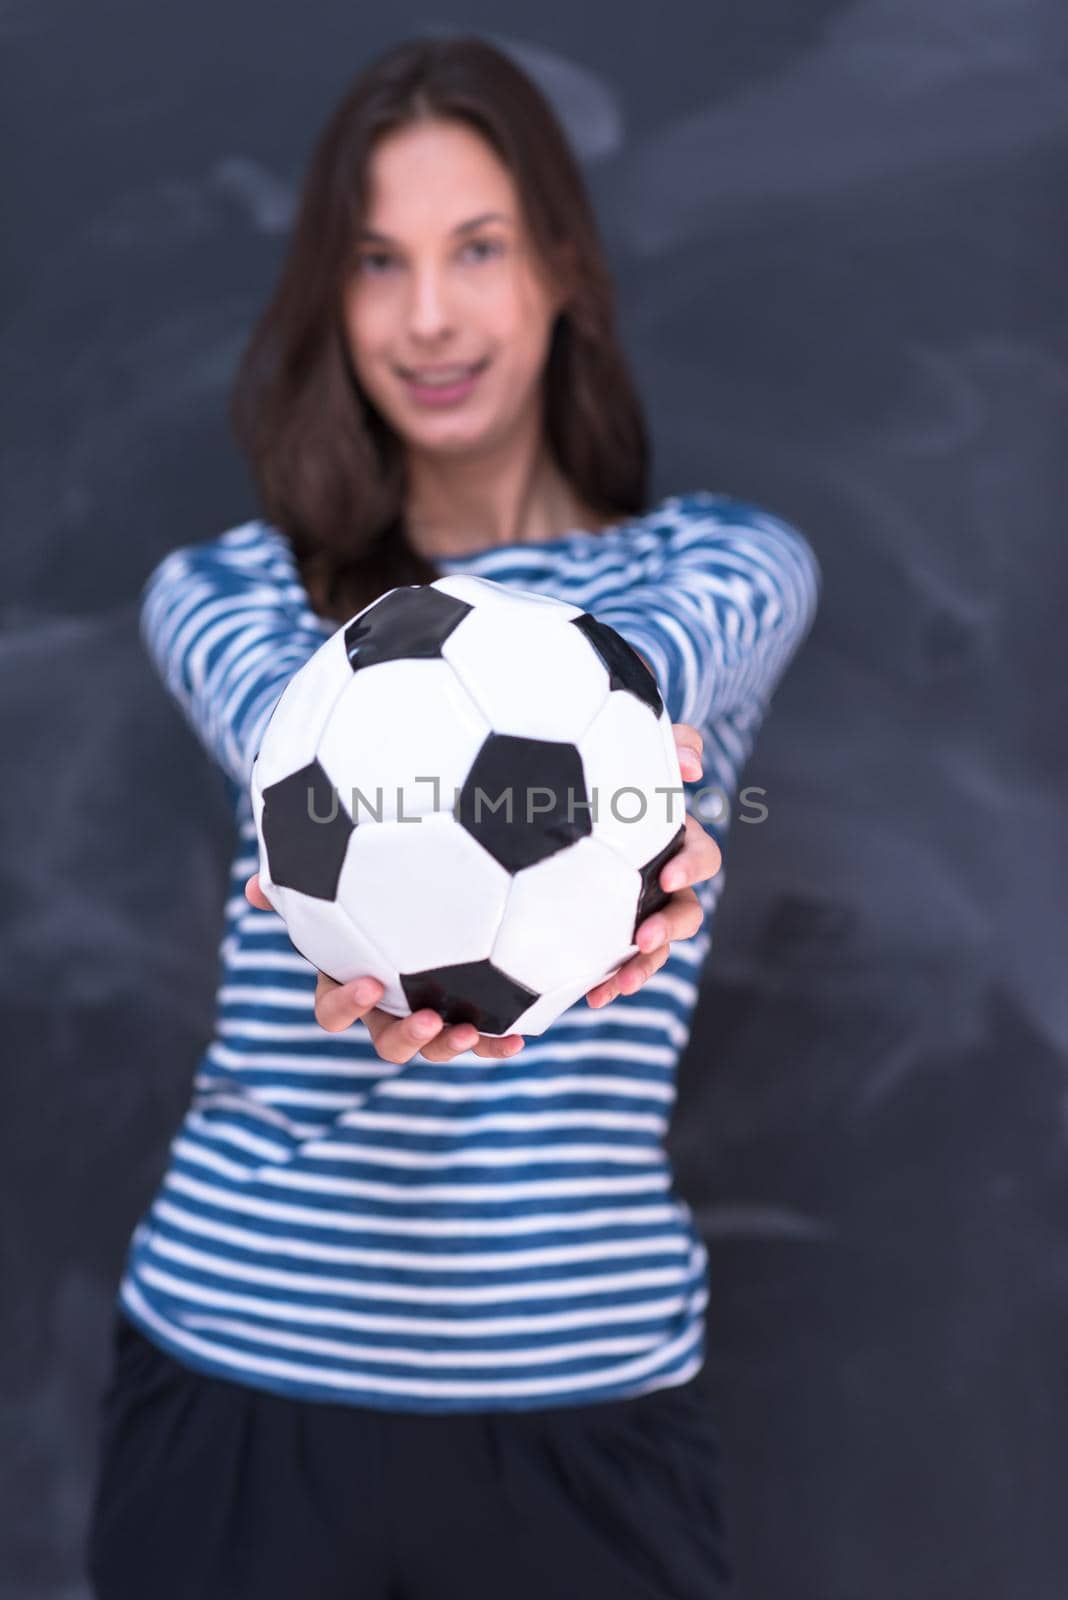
(469, 792)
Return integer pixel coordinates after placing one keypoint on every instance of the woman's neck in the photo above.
(458, 506)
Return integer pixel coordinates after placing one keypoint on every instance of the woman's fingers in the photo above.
(679, 919)
(339, 1005)
(425, 1032)
(464, 1036)
(699, 858)
(634, 972)
(688, 745)
(397, 1039)
(630, 977)
(255, 895)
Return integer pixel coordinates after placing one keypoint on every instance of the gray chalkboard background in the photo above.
(839, 233)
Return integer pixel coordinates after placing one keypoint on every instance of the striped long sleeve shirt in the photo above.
(477, 1234)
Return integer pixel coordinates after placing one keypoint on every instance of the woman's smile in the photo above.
(441, 386)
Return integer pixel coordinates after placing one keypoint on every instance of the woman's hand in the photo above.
(698, 859)
(397, 1039)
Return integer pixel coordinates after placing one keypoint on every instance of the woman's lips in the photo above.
(444, 394)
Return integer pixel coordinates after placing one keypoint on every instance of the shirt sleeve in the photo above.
(726, 598)
(215, 621)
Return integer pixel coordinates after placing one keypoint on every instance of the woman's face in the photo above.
(446, 277)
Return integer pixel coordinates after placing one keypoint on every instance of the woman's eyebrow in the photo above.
(461, 227)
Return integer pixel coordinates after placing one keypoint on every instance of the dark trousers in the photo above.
(209, 1489)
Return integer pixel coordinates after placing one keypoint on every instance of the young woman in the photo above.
(416, 1311)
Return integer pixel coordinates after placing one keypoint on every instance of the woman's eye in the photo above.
(376, 262)
(487, 247)
(371, 260)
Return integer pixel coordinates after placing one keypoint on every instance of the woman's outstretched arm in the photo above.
(724, 600)
(215, 622)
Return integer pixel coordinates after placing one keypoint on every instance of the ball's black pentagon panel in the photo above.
(411, 622)
(306, 832)
(653, 897)
(524, 799)
(475, 992)
(626, 669)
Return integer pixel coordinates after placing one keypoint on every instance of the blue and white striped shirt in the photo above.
(479, 1234)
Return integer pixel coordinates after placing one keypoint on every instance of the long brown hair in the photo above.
(329, 469)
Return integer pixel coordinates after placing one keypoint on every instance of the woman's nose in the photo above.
(428, 312)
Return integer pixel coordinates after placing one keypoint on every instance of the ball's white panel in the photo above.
(291, 736)
(396, 723)
(549, 1007)
(532, 675)
(425, 891)
(485, 591)
(571, 913)
(327, 937)
(623, 751)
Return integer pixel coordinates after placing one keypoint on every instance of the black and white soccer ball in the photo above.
(468, 793)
